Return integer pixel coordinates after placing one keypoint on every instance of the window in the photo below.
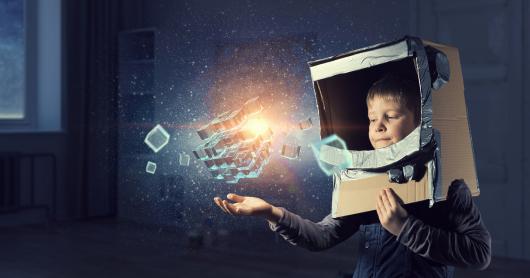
(12, 60)
(30, 65)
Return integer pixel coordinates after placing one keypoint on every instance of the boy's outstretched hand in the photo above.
(390, 212)
(246, 205)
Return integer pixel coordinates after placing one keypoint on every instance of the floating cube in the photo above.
(150, 167)
(184, 159)
(252, 107)
(305, 124)
(230, 150)
(332, 154)
(230, 120)
(157, 138)
(290, 151)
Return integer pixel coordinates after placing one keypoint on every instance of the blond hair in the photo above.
(399, 90)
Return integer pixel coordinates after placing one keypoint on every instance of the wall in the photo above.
(189, 35)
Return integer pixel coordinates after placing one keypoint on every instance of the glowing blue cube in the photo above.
(157, 138)
(335, 147)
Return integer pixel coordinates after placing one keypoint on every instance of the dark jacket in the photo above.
(432, 240)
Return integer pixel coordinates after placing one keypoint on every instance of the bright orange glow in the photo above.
(256, 126)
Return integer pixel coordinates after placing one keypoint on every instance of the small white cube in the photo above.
(150, 167)
(184, 159)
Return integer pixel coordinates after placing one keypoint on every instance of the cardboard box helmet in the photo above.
(412, 166)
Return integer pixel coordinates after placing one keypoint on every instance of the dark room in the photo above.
(253, 139)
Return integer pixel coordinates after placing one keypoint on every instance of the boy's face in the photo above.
(389, 122)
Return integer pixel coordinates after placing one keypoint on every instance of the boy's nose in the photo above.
(380, 127)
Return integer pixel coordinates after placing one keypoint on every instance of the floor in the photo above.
(106, 248)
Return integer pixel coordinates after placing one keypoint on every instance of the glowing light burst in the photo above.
(236, 145)
(280, 82)
(256, 126)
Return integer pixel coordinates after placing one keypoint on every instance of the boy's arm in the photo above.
(468, 244)
(314, 236)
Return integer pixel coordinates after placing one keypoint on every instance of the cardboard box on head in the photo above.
(422, 165)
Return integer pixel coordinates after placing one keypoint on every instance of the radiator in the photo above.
(16, 195)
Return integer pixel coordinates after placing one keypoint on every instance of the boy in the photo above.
(410, 241)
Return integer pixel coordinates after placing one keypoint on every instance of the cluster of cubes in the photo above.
(230, 151)
(156, 140)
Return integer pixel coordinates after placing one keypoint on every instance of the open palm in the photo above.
(244, 205)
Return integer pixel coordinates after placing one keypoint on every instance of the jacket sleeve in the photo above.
(314, 236)
(466, 244)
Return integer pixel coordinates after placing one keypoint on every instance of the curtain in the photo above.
(90, 40)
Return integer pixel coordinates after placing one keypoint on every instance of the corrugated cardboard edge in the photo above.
(450, 118)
